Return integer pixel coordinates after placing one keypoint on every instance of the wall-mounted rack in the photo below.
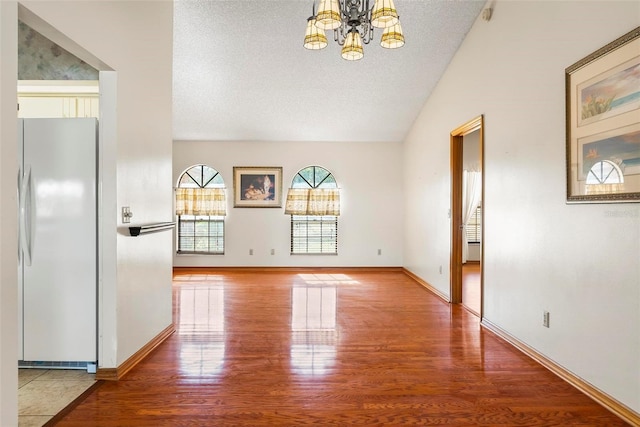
(150, 228)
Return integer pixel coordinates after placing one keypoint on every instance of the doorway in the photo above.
(467, 212)
(77, 98)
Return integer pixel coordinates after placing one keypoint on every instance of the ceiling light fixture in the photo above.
(352, 22)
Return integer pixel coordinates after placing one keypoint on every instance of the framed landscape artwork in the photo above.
(603, 124)
(257, 187)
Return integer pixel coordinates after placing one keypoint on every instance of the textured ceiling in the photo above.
(241, 73)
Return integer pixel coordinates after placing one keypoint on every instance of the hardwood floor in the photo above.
(351, 348)
(471, 287)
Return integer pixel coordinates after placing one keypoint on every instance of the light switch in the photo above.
(126, 215)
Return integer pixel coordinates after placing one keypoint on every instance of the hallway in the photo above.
(312, 347)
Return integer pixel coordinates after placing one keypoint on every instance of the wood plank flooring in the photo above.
(471, 291)
(330, 349)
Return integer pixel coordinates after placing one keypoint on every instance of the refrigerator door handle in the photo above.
(19, 181)
(25, 216)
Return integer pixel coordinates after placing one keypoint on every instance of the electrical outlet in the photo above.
(273, 251)
(545, 319)
(250, 251)
(440, 270)
(379, 251)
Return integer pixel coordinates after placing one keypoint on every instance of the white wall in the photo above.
(135, 40)
(579, 262)
(8, 215)
(370, 178)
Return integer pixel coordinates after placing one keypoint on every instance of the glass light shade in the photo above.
(314, 38)
(384, 14)
(352, 49)
(392, 37)
(328, 16)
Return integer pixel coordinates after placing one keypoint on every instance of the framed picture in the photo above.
(257, 187)
(603, 124)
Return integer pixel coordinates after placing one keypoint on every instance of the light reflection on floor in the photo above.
(200, 319)
(201, 359)
(313, 323)
(313, 308)
(201, 309)
(327, 279)
(312, 359)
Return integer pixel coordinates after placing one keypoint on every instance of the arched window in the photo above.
(201, 207)
(313, 201)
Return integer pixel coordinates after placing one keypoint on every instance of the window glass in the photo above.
(199, 234)
(474, 227)
(312, 234)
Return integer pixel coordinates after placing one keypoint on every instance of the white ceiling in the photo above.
(241, 73)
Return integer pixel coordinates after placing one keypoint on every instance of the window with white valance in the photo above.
(201, 206)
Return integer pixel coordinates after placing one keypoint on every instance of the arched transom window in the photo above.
(313, 201)
(201, 207)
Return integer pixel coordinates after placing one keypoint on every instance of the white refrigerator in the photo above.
(57, 213)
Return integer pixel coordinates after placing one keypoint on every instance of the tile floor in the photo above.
(42, 393)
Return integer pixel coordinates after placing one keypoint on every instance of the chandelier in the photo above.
(352, 22)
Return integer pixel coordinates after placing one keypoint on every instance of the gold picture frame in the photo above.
(603, 124)
(257, 187)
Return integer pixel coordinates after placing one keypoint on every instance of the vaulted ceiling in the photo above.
(241, 73)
